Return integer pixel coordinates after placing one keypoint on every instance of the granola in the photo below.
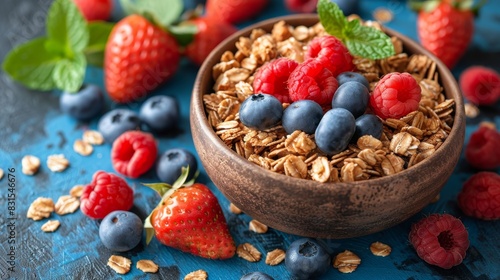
(57, 163)
(67, 204)
(346, 262)
(41, 208)
(197, 275)
(119, 264)
(257, 227)
(30, 164)
(147, 266)
(51, 226)
(248, 252)
(380, 249)
(275, 257)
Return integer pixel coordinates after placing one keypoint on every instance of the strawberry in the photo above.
(445, 28)
(234, 11)
(139, 57)
(189, 218)
(93, 10)
(210, 32)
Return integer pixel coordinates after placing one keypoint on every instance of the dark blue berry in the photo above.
(307, 258)
(261, 111)
(120, 231)
(169, 166)
(345, 77)
(352, 96)
(368, 124)
(256, 276)
(160, 113)
(84, 104)
(335, 130)
(347, 6)
(302, 115)
(116, 122)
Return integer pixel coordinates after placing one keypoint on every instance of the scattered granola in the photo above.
(30, 164)
(51, 226)
(197, 275)
(257, 226)
(57, 163)
(1, 173)
(67, 204)
(248, 252)
(380, 249)
(275, 257)
(83, 148)
(234, 209)
(76, 191)
(382, 15)
(119, 264)
(346, 262)
(93, 137)
(471, 110)
(40, 208)
(147, 266)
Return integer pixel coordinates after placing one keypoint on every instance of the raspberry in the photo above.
(482, 150)
(272, 78)
(133, 153)
(480, 85)
(395, 95)
(480, 196)
(106, 193)
(440, 240)
(311, 80)
(331, 53)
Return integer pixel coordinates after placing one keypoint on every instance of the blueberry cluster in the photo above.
(334, 130)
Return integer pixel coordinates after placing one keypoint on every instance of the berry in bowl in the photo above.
(326, 149)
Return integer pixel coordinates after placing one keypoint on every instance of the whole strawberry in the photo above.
(234, 11)
(446, 29)
(139, 57)
(210, 32)
(190, 219)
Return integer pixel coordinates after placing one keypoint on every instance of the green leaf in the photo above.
(69, 73)
(332, 18)
(98, 37)
(150, 231)
(163, 13)
(160, 188)
(183, 33)
(67, 27)
(32, 65)
(370, 43)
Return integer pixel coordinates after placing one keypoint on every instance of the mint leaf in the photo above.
(183, 33)
(369, 42)
(32, 65)
(332, 18)
(162, 13)
(67, 27)
(98, 37)
(69, 73)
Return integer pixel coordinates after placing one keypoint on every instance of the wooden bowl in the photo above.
(323, 210)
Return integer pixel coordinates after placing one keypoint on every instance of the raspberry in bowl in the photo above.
(285, 180)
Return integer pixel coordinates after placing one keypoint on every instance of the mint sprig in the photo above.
(360, 40)
(58, 60)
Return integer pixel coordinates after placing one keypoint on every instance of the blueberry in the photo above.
(347, 6)
(84, 104)
(335, 130)
(256, 276)
(169, 166)
(261, 111)
(345, 77)
(117, 121)
(160, 113)
(368, 124)
(302, 115)
(352, 96)
(120, 231)
(307, 258)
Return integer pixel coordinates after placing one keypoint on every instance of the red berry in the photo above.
(482, 151)
(234, 11)
(332, 54)
(272, 78)
(301, 6)
(480, 196)
(133, 153)
(480, 85)
(440, 240)
(105, 194)
(210, 33)
(93, 10)
(395, 95)
(311, 80)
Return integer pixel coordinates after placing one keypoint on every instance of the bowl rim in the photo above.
(198, 108)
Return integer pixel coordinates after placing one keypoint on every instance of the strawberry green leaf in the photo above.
(67, 27)
(369, 42)
(160, 188)
(69, 73)
(32, 65)
(148, 227)
(332, 18)
(161, 12)
(98, 37)
(183, 33)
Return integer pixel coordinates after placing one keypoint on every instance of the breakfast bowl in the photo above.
(310, 208)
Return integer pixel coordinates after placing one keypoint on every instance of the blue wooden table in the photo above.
(31, 123)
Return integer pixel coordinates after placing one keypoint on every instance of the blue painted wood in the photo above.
(31, 123)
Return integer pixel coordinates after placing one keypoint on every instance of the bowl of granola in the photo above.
(283, 180)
